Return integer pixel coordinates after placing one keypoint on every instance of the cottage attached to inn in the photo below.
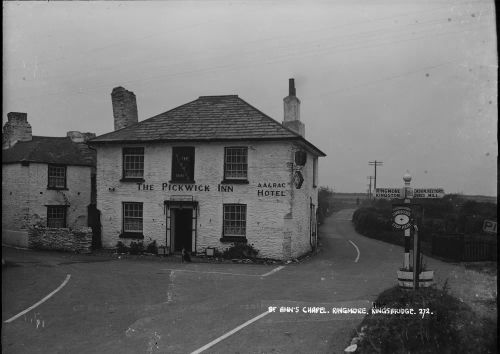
(207, 174)
(46, 181)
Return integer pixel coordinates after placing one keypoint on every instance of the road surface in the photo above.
(111, 305)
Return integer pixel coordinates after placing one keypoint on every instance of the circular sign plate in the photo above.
(401, 219)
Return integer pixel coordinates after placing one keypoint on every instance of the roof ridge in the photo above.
(210, 96)
(50, 137)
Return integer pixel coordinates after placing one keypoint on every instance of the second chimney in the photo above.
(16, 129)
(78, 137)
(124, 107)
(291, 106)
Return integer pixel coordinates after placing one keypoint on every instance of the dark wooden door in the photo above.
(183, 229)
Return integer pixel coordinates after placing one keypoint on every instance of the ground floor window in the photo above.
(132, 217)
(235, 220)
(56, 216)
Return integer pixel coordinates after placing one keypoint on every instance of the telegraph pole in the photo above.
(370, 187)
(375, 164)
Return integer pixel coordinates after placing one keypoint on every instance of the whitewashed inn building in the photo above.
(209, 173)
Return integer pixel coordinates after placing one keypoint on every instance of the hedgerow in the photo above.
(451, 327)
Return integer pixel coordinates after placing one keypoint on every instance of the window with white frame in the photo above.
(56, 216)
(236, 163)
(57, 177)
(133, 162)
(235, 220)
(132, 217)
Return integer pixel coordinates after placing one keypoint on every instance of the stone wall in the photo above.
(60, 239)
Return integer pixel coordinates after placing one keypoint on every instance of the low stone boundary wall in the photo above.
(60, 239)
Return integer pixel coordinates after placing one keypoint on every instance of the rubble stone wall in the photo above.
(60, 239)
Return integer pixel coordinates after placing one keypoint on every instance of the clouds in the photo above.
(409, 83)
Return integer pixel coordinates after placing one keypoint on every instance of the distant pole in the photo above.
(375, 164)
(370, 187)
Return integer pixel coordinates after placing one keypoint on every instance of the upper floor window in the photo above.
(57, 177)
(235, 163)
(56, 216)
(133, 162)
(183, 164)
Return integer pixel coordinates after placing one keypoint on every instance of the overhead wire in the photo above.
(286, 57)
(310, 51)
(364, 22)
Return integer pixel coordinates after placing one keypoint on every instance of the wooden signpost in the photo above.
(404, 218)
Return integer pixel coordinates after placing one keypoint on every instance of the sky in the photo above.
(410, 83)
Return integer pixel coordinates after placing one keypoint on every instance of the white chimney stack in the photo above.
(291, 106)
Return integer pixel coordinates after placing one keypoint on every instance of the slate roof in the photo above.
(209, 118)
(54, 150)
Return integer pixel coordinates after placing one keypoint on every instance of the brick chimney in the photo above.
(78, 137)
(292, 110)
(16, 129)
(124, 107)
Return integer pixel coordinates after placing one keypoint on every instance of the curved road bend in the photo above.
(331, 278)
(141, 306)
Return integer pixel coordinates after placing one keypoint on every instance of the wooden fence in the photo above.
(466, 248)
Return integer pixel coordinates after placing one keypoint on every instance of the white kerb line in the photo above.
(230, 333)
(41, 301)
(357, 250)
(273, 271)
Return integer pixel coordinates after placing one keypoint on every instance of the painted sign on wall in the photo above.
(271, 189)
(264, 189)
